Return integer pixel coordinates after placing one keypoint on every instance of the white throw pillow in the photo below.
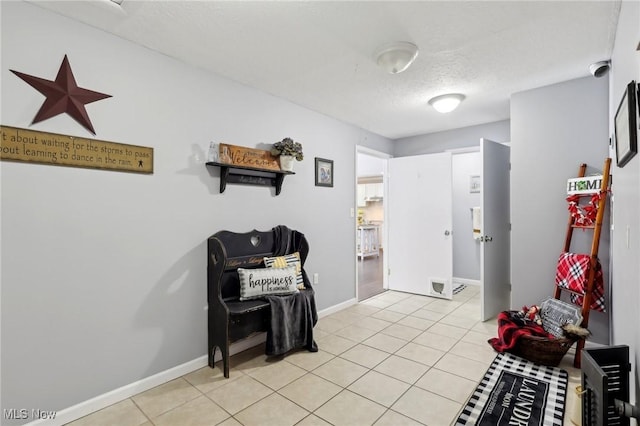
(255, 283)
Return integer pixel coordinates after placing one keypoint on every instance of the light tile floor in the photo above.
(395, 359)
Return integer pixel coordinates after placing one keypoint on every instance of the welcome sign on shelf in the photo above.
(235, 155)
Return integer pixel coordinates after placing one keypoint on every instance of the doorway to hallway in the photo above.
(370, 222)
(370, 271)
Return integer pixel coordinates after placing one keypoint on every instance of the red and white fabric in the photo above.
(572, 274)
(584, 215)
(511, 326)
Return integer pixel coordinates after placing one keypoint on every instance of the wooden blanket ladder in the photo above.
(596, 227)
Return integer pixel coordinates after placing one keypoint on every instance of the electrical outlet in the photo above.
(316, 278)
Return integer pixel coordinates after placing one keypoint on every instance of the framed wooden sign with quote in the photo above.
(32, 146)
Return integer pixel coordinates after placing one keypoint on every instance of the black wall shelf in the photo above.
(249, 176)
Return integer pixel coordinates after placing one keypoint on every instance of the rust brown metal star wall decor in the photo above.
(63, 96)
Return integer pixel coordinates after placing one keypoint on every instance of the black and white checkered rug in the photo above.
(515, 391)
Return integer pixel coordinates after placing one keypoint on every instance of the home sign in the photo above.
(584, 185)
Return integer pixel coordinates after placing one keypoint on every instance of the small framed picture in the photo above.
(324, 172)
(626, 126)
(474, 184)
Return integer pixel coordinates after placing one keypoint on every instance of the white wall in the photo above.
(104, 273)
(553, 130)
(466, 250)
(463, 137)
(625, 298)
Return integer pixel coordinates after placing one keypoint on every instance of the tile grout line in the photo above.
(361, 316)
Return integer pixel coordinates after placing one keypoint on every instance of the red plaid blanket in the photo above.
(511, 327)
(572, 273)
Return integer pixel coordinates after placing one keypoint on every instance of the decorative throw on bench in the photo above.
(292, 316)
(573, 272)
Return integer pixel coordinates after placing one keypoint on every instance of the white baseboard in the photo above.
(336, 308)
(112, 397)
(466, 281)
(102, 401)
(588, 344)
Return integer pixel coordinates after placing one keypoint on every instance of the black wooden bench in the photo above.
(229, 318)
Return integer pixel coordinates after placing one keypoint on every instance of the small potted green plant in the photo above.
(287, 150)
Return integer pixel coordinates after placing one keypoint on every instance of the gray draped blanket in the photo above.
(292, 319)
(292, 316)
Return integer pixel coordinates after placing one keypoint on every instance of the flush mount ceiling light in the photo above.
(446, 103)
(396, 57)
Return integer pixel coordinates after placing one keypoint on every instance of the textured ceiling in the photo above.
(318, 54)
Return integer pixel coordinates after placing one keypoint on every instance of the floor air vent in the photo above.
(605, 380)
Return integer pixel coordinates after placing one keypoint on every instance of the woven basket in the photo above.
(542, 350)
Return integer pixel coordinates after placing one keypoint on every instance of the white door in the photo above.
(420, 218)
(495, 253)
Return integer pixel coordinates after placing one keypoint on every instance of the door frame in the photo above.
(462, 280)
(359, 149)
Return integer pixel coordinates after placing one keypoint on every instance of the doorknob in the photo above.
(486, 238)
(447, 233)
